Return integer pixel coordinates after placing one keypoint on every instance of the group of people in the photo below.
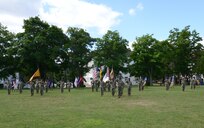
(112, 85)
(170, 82)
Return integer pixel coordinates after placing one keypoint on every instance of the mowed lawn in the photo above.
(153, 108)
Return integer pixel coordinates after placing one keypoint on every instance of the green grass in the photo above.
(81, 108)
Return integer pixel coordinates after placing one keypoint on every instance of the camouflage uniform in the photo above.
(109, 86)
(69, 86)
(102, 87)
(92, 85)
(129, 83)
(37, 85)
(183, 83)
(32, 84)
(62, 86)
(120, 86)
(20, 87)
(113, 86)
(97, 83)
(167, 84)
(9, 86)
(41, 88)
(140, 85)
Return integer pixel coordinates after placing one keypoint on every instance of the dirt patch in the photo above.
(143, 103)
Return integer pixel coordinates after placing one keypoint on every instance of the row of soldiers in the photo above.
(112, 85)
(10, 87)
(170, 83)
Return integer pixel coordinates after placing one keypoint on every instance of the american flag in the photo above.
(95, 73)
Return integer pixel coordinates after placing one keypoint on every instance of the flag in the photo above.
(36, 74)
(95, 74)
(112, 74)
(106, 76)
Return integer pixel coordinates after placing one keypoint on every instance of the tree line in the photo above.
(61, 55)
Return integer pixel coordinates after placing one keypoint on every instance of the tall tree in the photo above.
(78, 52)
(145, 57)
(38, 46)
(111, 51)
(186, 49)
(6, 59)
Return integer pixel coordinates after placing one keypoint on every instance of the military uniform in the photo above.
(9, 86)
(129, 83)
(120, 86)
(37, 87)
(109, 86)
(41, 88)
(62, 86)
(32, 88)
(113, 86)
(167, 84)
(20, 87)
(102, 87)
(92, 85)
(69, 86)
(183, 83)
(97, 83)
(140, 85)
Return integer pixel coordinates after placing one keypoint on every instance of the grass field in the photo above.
(81, 108)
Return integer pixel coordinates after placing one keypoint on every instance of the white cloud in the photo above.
(202, 42)
(139, 7)
(63, 13)
(132, 12)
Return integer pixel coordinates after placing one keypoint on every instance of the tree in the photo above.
(39, 46)
(145, 56)
(6, 41)
(78, 52)
(111, 51)
(186, 49)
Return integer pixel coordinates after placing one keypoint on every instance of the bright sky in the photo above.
(132, 18)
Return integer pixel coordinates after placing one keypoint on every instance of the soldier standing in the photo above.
(120, 86)
(20, 87)
(46, 86)
(97, 83)
(129, 84)
(113, 86)
(9, 86)
(32, 84)
(37, 85)
(62, 86)
(183, 83)
(102, 87)
(92, 85)
(140, 84)
(167, 84)
(41, 88)
(69, 84)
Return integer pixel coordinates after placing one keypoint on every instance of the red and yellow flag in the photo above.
(36, 74)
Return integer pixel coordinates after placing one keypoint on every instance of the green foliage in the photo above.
(145, 56)
(78, 53)
(186, 49)
(111, 51)
(6, 59)
(39, 46)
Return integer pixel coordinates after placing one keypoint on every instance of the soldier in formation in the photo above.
(41, 88)
(129, 85)
(20, 87)
(120, 86)
(32, 84)
(183, 83)
(102, 87)
(61, 86)
(193, 83)
(167, 84)
(69, 84)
